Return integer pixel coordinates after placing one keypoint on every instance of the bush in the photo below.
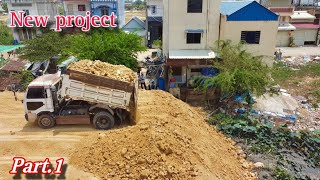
(26, 78)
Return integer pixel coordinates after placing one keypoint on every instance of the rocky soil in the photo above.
(170, 141)
(118, 72)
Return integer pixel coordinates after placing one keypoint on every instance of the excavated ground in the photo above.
(171, 140)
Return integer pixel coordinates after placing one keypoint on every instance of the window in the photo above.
(70, 9)
(26, 12)
(81, 7)
(250, 37)
(193, 38)
(36, 93)
(194, 6)
(153, 9)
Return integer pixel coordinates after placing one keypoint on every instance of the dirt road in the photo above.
(19, 138)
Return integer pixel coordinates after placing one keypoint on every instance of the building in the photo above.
(252, 23)
(32, 7)
(154, 13)
(137, 26)
(190, 32)
(298, 22)
(106, 7)
(96, 7)
(76, 7)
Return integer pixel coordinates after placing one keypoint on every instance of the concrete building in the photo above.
(252, 23)
(190, 33)
(76, 7)
(96, 7)
(154, 12)
(32, 7)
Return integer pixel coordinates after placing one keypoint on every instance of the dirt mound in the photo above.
(118, 72)
(170, 140)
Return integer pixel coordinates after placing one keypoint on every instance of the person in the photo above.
(152, 85)
(142, 81)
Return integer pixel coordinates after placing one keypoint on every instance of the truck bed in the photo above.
(95, 89)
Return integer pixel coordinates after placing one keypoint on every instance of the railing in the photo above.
(282, 9)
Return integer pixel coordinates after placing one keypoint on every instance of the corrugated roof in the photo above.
(4, 48)
(302, 15)
(191, 54)
(230, 7)
(306, 26)
(14, 66)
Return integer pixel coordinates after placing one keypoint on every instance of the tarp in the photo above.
(4, 48)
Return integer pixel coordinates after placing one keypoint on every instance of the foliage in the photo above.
(291, 42)
(26, 78)
(157, 43)
(44, 47)
(282, 174)
(240, 71)
(263, 138)
(112, 46)
(60, 10)
(5, 6)
(6, 37)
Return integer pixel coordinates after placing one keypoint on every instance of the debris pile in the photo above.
(299, 61)
(118, 72)
(170, 141)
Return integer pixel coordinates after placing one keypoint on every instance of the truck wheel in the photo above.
(46, 121)
(103, 120)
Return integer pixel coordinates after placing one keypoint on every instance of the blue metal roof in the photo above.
(246, 11)
(229, 7)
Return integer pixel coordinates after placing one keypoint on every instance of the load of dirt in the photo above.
(118, 72)
(170, 141)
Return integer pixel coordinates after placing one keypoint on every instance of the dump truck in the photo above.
(80, 98)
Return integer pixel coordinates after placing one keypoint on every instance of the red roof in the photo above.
(14, 66)
(306, 26)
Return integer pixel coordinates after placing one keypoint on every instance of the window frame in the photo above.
(246, 38)
(193, 38)
(81, 5)
(191, 9)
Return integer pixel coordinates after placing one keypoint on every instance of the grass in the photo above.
(305, 82)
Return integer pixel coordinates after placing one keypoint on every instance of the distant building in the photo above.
(136, 26)
(32, 7)
(154, 20)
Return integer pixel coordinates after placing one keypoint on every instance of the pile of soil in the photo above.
(118, 72)
(171, 140)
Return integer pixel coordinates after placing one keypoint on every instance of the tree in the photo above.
(112, 46)
(5, 6)
(6, 37)
(44, 47)
(240, 72)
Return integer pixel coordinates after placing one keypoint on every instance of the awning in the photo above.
(302, 15)
(191, 54)
(194, 31)
(4, 49)
(286, 27)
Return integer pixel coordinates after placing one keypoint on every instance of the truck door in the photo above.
(36, 100)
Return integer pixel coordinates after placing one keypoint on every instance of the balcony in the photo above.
(282, 9)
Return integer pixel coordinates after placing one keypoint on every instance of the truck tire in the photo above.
(46, 121)
(103, 120)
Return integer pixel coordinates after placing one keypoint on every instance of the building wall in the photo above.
(176, 20)
(32, 7)
(278, 3)
(159, 8)
(303, 35)
(74, 4)
(232, 30)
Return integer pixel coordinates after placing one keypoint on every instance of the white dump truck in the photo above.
(80, 98)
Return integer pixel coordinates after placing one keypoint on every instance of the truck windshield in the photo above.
(36, 93)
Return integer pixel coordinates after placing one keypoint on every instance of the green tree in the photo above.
(240, 72)
(5, 6)
(44, 47)
(6, 37)
(112, 46)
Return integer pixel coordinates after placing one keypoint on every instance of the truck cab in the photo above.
(40, 96)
